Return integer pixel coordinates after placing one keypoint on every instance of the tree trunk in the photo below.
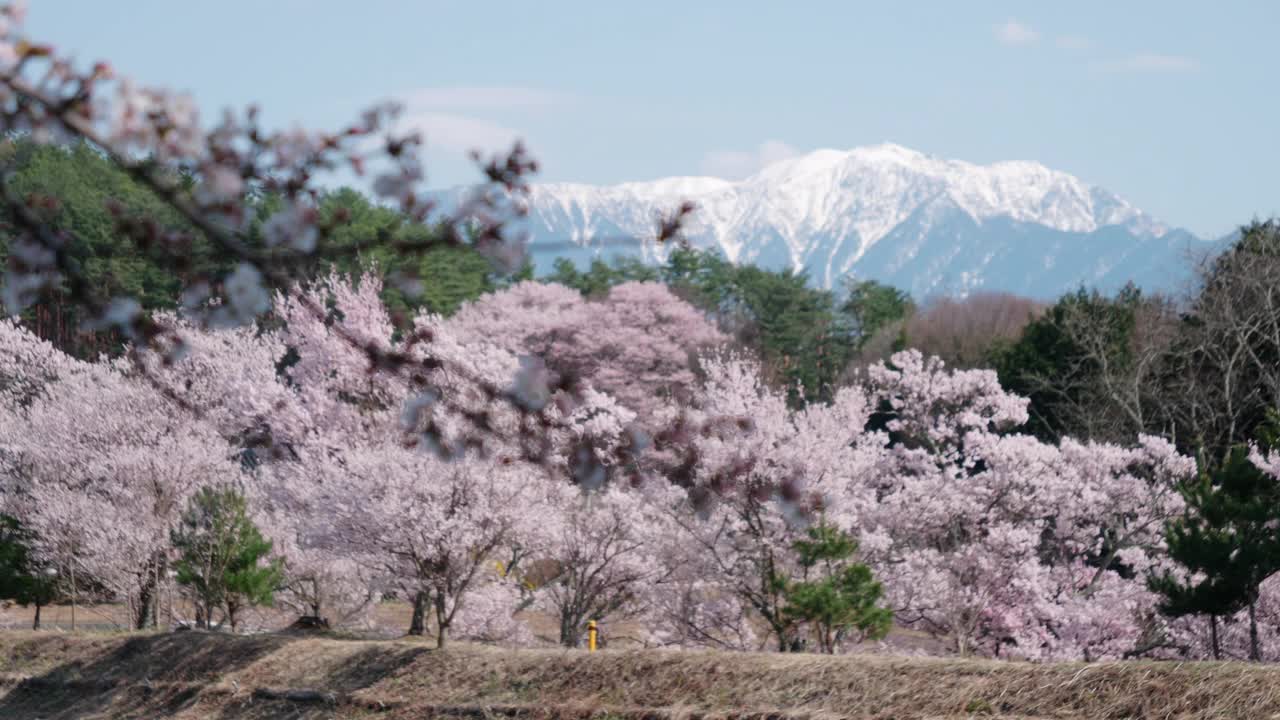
(786, 643)
(1254, 653)
(155, 601)
(145, 596)
(35, 624)
(143, 615)
(1213, 633)
(418, 625)
(442, 623)
(570, 633)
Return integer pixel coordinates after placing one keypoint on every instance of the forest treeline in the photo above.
(1200, 369)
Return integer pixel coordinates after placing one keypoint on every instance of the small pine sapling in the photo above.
(223, 556)
(836, 598)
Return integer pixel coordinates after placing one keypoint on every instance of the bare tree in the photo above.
(1096, 366)
(1203, 371)
(962, 331)
(1227, 354)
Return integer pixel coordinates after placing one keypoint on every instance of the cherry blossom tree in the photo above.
(282, 425)
(1003, 544)
(490, 612)
(228, 378)
(28, 364)
(638, 343)
(1000, 543)
(601, 547)
(98, 465)
(339, 388)
(760, 474)
(324, 577)
(1268, 462)
(329, 404)
(435, 527)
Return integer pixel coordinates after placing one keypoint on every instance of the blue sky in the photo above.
(1173, 105)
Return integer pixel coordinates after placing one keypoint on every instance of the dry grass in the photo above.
(199, 675)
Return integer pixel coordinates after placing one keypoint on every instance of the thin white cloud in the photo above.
(1072, 42)
(459, 133)
(737, 164)
(1151, 63)
(1012, 32)
(466, 118)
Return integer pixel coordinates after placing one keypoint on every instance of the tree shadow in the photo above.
(371, 666)
(145, 677)
(356, 672)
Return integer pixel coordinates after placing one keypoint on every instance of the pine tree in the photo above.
(1229, 539)
(22, 579)
(221, 556)
(836, 596)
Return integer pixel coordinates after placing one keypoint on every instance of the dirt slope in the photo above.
(199, 675)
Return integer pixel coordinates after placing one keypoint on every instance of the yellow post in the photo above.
(592, 634)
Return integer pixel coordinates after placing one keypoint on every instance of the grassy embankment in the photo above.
(199, 675)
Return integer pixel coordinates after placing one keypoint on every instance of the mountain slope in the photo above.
(887, 213)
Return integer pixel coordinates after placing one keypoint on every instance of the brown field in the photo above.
(188, 675)
(389, 620)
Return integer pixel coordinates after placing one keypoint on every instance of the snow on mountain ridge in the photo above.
(880, 185)
(951, 225)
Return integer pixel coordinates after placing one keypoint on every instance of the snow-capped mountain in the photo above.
(885, 212)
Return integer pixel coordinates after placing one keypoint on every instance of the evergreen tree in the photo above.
(87, 197)
(445, 276)
(95, 199)
(221, 556)
(836, 597)
(1062, 360)
(600, 275)
(23, 580)
(870, 306)
(796, 328)
(1229, 539)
